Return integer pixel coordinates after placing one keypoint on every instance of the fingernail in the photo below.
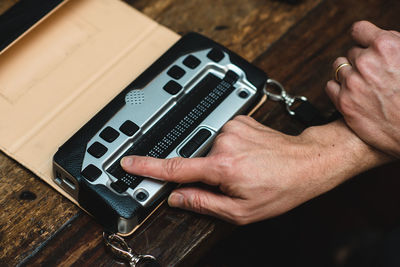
(126, 161)
(175, 200)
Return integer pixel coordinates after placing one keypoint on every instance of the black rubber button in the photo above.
(191, 62)
(193, 144)
(97, 150)
(231, 77)
(141, 196)
(188, 149)
(172, 87)
(176, 72)
(119, 186)
(91, 172)
(129, 128)
(243, 94)
(215, 55)
(109, 134)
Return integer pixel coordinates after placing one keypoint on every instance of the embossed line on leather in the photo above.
(20, 75)
(23, 16)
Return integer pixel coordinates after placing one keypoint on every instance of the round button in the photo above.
(141, 195)
(243, 94)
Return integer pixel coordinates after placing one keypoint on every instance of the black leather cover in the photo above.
(20, 17)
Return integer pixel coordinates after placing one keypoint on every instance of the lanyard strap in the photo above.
(298, 106)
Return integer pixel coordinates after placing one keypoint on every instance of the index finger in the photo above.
(178, 170)
(364, 33)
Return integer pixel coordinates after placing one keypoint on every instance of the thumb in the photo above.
(206, 202)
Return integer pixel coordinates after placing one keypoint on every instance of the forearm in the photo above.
(340, 154)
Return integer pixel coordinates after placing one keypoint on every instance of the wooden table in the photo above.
(295, 42)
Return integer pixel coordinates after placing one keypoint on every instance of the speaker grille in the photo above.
(134, 97)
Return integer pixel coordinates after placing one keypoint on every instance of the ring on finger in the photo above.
(338, 69)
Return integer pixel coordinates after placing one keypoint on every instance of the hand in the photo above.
(260, 172)
(368, 91)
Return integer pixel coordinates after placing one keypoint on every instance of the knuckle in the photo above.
(337, 62)
(219, 139)
(242, 118)
(171, 167)
(225, 140)
(352, 82)
(239, 216)
(197, 204)
(384, 43)
(225, 165)
(145, 163)
(231, 125)
(362, 63)
(247, 120)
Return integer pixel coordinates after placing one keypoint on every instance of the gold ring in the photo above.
(338, 68)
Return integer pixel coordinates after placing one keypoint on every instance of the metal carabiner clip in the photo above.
(121, 249)
(283, 96)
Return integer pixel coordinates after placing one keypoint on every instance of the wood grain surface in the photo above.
(294, 43)
(6, 4)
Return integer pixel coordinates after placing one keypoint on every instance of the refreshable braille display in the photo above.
(173, 109)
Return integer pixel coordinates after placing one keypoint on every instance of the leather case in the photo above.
(108, 207)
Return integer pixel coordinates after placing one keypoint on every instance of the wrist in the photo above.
(339, 153)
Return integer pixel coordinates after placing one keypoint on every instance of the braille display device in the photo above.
(175, 108)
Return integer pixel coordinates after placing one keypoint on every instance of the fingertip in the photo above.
(360, 26)
(139, 165)
(364, 32)
(176, 200)
(126, 162)
(331, 86)
(195, 199)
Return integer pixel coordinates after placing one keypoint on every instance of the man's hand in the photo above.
(260, 172)
(368, 92)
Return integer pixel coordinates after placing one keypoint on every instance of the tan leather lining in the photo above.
(34, 26)
(68, 67)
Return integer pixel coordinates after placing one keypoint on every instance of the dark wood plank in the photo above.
(30, 214)
(45, 223)
(165, 235)
(301, 60)
(6, 4)
(247, 28)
